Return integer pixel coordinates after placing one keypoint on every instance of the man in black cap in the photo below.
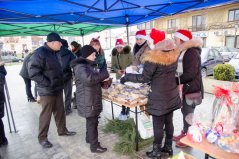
(45, 69)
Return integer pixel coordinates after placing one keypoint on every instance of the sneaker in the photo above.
(181, 145)
(177, 138)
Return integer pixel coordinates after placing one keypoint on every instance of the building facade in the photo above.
(217, 26)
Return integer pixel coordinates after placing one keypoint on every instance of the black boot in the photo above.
(168, 147)
(155, 153)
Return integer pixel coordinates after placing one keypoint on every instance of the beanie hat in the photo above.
(53, 37)
(87, 50)
(75, 44)
(184, 35)
(64, 43)
(154, 37)
(141, 34)
(119, 43)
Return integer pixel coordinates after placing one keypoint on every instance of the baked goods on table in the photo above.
(127, 94)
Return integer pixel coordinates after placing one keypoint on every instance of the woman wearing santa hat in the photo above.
(159, 69)
(121, 58)
(140, 47)
(189, 66)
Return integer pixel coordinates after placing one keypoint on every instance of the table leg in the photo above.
(136, 129)
(112, 110)
(206, 156)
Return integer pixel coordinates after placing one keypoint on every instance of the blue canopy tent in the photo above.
(103, 12)
(108, 12)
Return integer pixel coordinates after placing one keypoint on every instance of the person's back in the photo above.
(25, 75)
(159, 70)
(24, 70)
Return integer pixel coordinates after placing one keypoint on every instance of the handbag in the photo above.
(193, 99)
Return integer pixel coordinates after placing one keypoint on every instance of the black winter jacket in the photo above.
(66, 58)
(3, 73)
(88, 88)
(45, 69)
(24, 70)
(191, 77)
(159, 70)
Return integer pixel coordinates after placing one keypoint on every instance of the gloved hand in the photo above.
(123, 79)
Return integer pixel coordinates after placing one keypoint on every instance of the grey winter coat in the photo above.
(88, 88)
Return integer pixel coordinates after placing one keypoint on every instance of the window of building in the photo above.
(12, 46)
(171, 23)
(232, 41)
(198, 22)
(147, 25)
(233, 15)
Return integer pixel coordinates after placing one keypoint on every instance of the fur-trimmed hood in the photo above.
(126, 50)
(160, 57)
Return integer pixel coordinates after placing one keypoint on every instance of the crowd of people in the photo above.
(165, 64)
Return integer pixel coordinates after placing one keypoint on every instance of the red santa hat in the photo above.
(141, 34)
(184, 35)
(119, 43)
(154, 37)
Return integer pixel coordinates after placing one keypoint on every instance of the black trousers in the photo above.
(68, 94)
(92, 131)
(186, 110)
(28, 87)
(2, 132)
(159, 122)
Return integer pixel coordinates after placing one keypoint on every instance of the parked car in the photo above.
(210, 57)
(227, 53)
(11, 58)
(16, 59)
(235, 63)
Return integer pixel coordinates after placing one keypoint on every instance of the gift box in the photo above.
(225, 117)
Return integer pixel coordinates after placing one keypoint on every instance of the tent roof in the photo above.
(107, 12)
(44, 29)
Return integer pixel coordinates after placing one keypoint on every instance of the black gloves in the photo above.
(123, 80)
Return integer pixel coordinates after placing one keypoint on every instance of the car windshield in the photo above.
(233, 49)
